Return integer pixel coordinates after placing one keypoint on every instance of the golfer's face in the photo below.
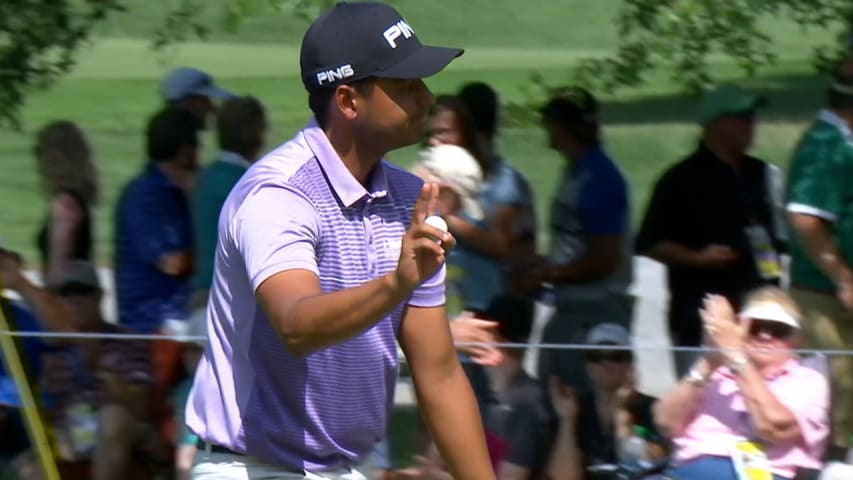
(399, 109)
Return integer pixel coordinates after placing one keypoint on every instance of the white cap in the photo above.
(770, 311)
(453, 166)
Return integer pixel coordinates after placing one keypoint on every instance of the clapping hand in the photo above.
(564, 399)
(721, 326)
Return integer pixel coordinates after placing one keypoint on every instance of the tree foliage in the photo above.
(40, 39)
(682, 35)
(38, 43)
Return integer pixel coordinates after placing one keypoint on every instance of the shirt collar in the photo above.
(153, 172)
(233, 158)
(344, 184)
(827, 116)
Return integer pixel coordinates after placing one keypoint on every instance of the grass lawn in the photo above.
(113, 90)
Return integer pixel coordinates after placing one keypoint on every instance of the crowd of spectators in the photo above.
(719, 220)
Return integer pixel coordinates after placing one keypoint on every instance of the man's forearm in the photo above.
(453, 418)
(672, 253)
(674, 411)
(318, 321)
(773, 421)
(586, 269)
(605, 253)
(490, 241)
(565, 462)
(816, 238)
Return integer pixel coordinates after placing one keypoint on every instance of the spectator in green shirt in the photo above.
(241, 127)
(821, 216)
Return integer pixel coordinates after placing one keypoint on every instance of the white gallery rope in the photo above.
(545, 346)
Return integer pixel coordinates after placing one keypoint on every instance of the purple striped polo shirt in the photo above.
(300, 208)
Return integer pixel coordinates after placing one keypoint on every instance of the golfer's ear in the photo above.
(347, 101)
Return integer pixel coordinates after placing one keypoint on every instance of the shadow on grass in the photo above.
(791, 97)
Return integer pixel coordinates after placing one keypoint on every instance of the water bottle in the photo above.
(633, 449)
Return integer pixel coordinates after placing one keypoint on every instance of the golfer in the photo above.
(324, 262)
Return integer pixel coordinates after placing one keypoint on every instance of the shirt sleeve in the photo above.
(508, 188)
(661, 217)
(155, 229)
(817, 183)
(603, 205)
(811, 410)
(527, 434)
(277, 229)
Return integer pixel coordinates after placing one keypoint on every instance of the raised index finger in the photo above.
(426, 203)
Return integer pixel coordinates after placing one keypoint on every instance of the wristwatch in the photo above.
(738, 365)
(696, 378)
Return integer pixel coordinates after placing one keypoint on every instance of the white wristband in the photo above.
(696, 378)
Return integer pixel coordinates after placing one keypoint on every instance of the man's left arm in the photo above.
(603, 208)
(444, 393)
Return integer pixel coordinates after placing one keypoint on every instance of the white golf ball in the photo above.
(437, 222)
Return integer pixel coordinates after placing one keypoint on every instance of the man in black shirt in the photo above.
(711, 219)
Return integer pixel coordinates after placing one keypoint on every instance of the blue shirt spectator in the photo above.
(154, 240)
(152, 221)
(482, 276)
(591, 201)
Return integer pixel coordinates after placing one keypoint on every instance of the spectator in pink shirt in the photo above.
(753, 387)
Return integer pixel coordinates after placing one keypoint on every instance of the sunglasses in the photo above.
(773, 329)
(598, 356)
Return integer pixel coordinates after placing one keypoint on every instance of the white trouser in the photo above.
(226, 466)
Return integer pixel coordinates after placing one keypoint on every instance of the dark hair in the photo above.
(840, 94)
(240, 124)
(482, 102)
(514, 316)
(168, 131)
(318, 100)
(576, 110)
(466, 128)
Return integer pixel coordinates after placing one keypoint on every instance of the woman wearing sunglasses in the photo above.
(748, 404)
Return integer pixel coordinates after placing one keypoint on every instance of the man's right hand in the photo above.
(716, 256)
(469, 329)
(421, 255)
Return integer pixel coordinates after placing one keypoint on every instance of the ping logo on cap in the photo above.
(394, 32)
(335, 74)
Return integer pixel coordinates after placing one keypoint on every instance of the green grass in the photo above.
(114, 89)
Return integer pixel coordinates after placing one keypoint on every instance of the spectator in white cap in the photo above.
(458, 175)
(596, 426)
(192, 89)
(750, 393)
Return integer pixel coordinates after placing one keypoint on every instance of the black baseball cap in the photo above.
(352, 41)
(571, 105)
